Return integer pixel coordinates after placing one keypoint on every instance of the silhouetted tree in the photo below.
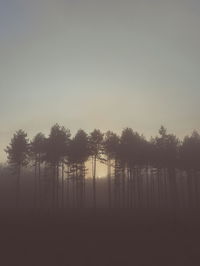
(95, 138)
(131, 144)
(166, 148)
(79, 151)
(56, 149)
(18, 151)
(190, 152)
(37, 154)
(111, 147)
(166, 156)
(190, 161)
(145, 173)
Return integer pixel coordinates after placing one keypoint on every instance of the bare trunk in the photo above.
(73, 189)
(54, 188)
(39, 181)
(77, 188)
(84, 187)
(67, 188)
(109, 184)
(62, 196)
(35, 186)
(57, 185)
(18, 186)
(123, 187)
(94, 183)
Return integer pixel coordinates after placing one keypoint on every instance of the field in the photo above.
(100, 238)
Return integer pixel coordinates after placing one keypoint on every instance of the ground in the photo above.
(100, 238)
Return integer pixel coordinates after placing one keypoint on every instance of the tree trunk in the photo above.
(109, 184)
(172, 180)
(77, 188)
(94, 183)
(128, 187)
(123, 187)
(62, 195)
(54, 188)
(39, 181)
(73, 188)
(57, 185)
(18, 186)
(84, 199)
(35, 185)
(67, 187)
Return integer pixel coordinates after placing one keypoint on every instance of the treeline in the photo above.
(140, 173)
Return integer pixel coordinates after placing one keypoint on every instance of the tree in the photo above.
(37, 153)
(56, 149)
(18, 151)
(79, 151)
(110, 146)
(190, 152)
(131, 154)
(95, 139)
(166, 148)
(166, 156)
(190, 161)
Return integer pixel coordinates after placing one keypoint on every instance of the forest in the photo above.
(62, 169)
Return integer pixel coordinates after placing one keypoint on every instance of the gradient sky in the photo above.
(102, 64)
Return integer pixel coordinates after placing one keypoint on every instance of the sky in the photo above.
(106, 64)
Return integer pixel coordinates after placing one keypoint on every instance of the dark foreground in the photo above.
(101, 238)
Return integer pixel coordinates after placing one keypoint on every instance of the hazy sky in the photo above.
(102, 64)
